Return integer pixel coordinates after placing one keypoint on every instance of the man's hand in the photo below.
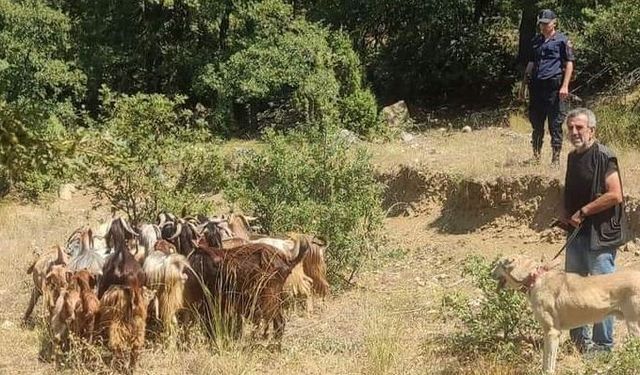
(564, 93)
(576, 219)
(522, 91)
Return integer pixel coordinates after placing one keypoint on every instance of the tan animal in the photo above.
(75, 309)
(165, 272)
(39, 269)
(561, 301)
(122, 320)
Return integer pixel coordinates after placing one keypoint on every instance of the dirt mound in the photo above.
(469, 204)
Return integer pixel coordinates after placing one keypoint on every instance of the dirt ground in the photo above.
(451, 194)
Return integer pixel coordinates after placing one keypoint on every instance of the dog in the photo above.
(561, 300)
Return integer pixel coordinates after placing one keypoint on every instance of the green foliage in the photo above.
(359, 113)
(34, 149)
(623, 361)
(35, 64)
(417, 48)
(614, 48)
(312, 182)
(284, 72)
(618, 123)
(140, 161)
(496, 322)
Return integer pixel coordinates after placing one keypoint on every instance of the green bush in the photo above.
(614, 49)
(623, 361)
(35, 150)
(284, 72)
(312, 182)
(359, 112)
(618, 124)
(147, 157)
(496, 322)
(35, 63)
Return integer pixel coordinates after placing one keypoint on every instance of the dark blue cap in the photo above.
(546, 16)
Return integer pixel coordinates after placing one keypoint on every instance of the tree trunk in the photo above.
(527, 31)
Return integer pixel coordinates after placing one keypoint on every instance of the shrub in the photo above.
(312, 182)
(35, 149)
(284, 72)
(623, 361)
(619, 124)
(142, 158)
(359, 112)
(613, 49)
(495, 322)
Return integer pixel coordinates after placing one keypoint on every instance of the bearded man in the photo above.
(593, 201)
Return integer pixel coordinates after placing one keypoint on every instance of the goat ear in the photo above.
(62, 256)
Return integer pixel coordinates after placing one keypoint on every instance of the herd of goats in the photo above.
(108, 285)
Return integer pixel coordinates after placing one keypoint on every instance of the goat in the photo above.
(239, 225)
(56, 280)
(76, 309)
(121, 268)
(165, 274)
(181, 234)
(298, 285)
(149, 235)
(39, 269)
(88, 258)
(122, 319)
(119, 234)
(316, 267)
(249, 282)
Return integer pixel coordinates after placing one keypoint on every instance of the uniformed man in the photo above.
(548, 74)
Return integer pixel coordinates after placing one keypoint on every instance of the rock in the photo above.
(349, 136)
(396, 115)
(65, 192)
(8, 325)
(442, 130)
(632, 246)
(466, 129)
(407, 137)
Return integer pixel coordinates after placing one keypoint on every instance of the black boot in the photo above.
(555, 156)
(536, 155)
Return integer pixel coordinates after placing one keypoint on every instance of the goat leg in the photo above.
(35, 294)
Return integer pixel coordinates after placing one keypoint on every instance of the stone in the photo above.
(466, 129)
(396, 115)
(407, 137)
(65, 192)
(349, 136)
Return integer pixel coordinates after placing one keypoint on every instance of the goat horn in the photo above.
(163, 219)
(296, 248)
(127, 227)
(193, 226)
(73, 234)
(177, 233)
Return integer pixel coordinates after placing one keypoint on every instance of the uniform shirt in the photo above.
(549, 56)
(580, 175)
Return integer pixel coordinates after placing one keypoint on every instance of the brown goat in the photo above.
(39, 269)
(250, 281)
(75, 309)
(239, 225)
(315, 266)
(121, 268)
(122, 320)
